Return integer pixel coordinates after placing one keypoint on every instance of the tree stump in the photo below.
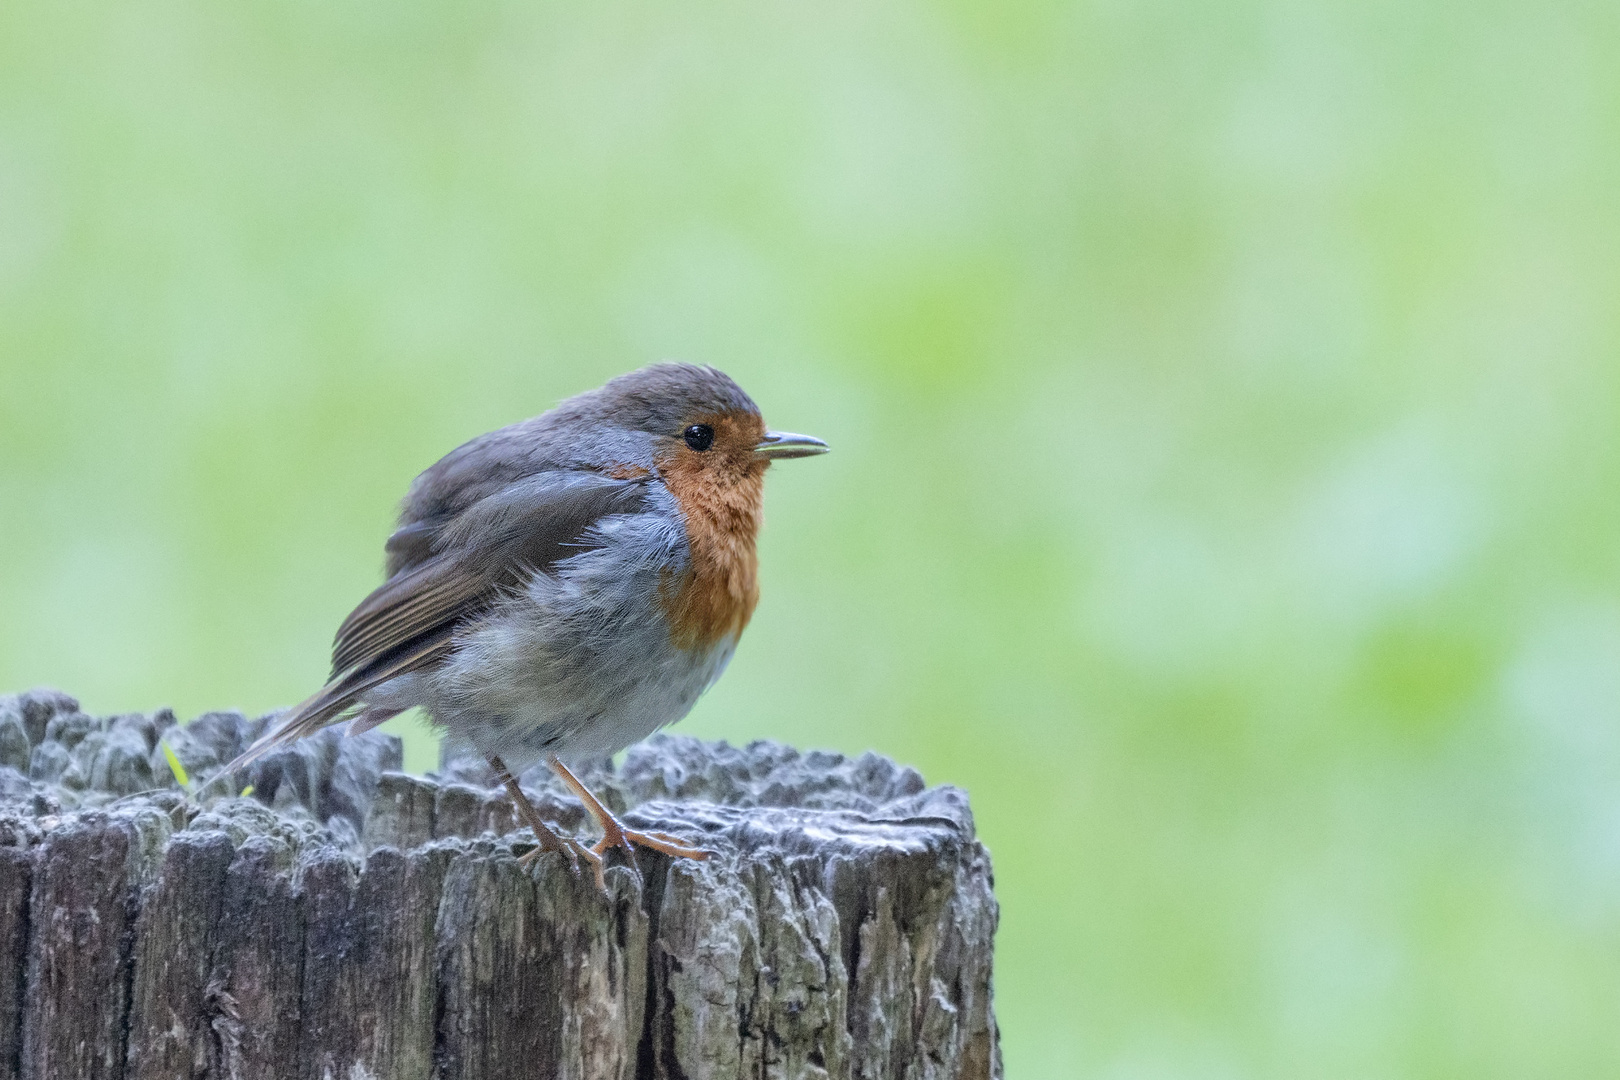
(348, 920)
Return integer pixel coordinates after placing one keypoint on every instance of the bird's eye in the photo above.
(699, 436)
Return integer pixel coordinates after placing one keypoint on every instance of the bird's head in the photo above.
(703, 427)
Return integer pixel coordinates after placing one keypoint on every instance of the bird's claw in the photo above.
(617, 836)
(573, 850)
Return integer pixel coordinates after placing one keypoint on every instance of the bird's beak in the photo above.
(785, 444)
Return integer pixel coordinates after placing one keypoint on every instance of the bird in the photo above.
(562, 587)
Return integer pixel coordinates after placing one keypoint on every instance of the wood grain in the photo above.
(363, 923)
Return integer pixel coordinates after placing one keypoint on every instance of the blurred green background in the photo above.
(1223, 399)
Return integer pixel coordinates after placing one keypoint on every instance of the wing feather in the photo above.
(491, 547)
(440, 590)
(478, 557)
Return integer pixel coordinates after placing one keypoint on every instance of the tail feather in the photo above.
(306, 719)
(340, 695)
(369, 717)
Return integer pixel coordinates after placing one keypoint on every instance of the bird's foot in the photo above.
(615, 835)
(546, 838)
(571, 849)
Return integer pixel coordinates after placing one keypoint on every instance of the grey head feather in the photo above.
(624, 421)
(659, 400)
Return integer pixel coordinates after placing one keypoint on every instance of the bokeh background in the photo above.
(1223, 400)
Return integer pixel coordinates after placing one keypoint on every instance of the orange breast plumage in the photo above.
(721, 496)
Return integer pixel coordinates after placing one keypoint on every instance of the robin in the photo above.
(563, 587)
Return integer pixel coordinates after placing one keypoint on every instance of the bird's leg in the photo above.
(614, 834)
(544, 835)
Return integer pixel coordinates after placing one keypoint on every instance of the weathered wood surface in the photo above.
(351, 921)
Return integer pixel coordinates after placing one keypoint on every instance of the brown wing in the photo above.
(481, 555)
(443, 590)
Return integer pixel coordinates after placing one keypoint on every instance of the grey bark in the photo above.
(350, 921)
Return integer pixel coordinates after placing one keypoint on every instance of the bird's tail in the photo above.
(341, 695)
(306, 719)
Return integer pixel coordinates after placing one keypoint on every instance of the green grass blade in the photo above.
(175, 767)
